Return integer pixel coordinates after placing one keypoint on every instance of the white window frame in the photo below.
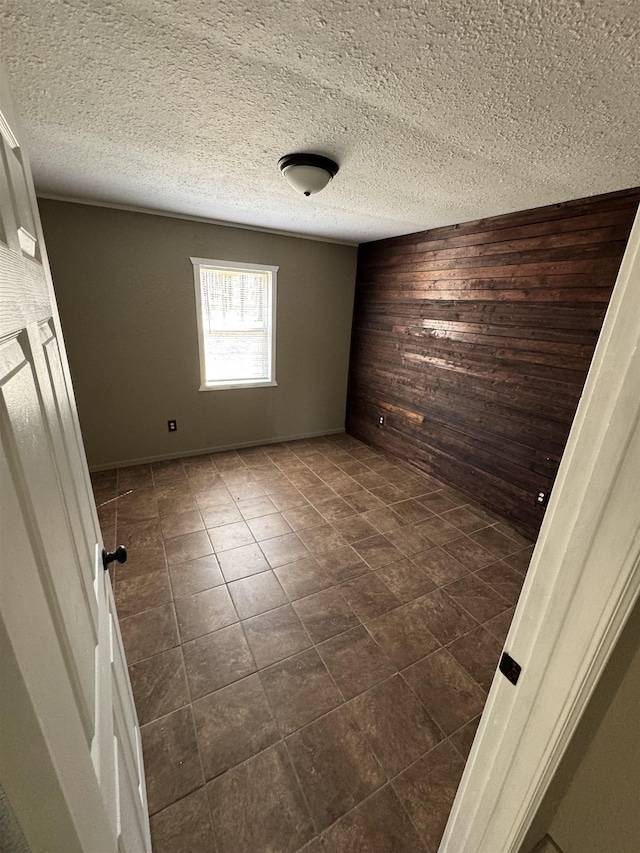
(209, 263)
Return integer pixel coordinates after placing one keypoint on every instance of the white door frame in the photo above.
(583, 582)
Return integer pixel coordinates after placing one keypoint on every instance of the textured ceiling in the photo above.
(437, 112)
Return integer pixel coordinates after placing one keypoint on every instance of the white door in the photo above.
(70, 753)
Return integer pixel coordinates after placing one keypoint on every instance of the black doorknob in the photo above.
(119, 555)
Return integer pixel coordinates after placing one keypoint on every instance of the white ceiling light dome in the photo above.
(307, 173)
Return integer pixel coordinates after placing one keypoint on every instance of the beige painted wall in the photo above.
(593, 805)
(125, 290)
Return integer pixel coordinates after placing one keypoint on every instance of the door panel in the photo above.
(131, 833)
(21, 203)
(68, 588)
(70, 756)
(44, 757)
(22, 234)
(62, 433)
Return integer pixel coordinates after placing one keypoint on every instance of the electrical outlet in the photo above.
(380, 420)
(542, 498)
(173, 426)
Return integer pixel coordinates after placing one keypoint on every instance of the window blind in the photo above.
(236, 322)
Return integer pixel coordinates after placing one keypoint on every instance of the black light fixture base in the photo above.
(316, 160)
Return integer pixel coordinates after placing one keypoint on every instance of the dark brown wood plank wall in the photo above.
(474, 342)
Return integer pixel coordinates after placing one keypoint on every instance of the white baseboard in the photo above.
(145, 459)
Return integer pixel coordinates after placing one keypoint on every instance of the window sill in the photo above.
(230, 385)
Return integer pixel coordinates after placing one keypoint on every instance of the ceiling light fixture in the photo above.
(307, 173)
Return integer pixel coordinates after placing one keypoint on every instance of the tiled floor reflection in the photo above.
(311, 630)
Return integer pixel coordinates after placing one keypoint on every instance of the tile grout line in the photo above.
(335, 585)
(493, 562)
(313, 643)
(207, 781)
(291, 602)
(282, 737)
(371, 570)
(190, 703)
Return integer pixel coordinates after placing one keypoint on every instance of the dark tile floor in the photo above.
(311, 630)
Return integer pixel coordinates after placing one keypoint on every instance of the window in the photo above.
(236, 305)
